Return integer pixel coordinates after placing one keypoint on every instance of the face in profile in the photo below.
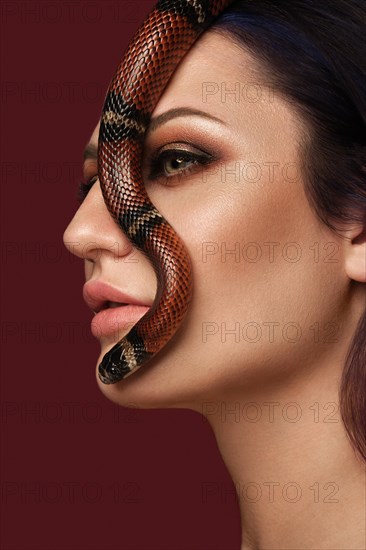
(226, 174)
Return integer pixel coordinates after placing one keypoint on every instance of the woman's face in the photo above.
(267, 275)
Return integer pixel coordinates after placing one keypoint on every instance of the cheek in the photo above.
(250, 300)
(254, 265)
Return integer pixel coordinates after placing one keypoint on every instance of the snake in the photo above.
(168, 32)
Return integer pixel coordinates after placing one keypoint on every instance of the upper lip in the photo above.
(97, 294)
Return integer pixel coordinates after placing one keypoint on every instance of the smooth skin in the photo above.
(269, 326)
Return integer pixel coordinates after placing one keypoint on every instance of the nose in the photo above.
(93, 231)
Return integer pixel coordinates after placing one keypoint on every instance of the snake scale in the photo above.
(152, 55)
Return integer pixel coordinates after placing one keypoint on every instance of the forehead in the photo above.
(210, 67)
(227, 81)
(212, 73)
(94, 136)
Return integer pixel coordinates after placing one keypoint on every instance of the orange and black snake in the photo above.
(167, 33)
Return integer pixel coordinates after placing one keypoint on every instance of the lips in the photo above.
(115, 312)
(99, 295)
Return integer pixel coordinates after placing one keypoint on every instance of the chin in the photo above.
(142, 389)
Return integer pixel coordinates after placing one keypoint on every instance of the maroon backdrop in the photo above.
(78, 472)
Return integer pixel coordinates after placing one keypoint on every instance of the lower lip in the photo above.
(116, 322)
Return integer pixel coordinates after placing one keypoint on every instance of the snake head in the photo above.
(125, 357)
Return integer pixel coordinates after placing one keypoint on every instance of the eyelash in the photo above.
(156, 163)
(156, 168)
(84, 187)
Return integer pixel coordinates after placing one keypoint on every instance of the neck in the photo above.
(298, 481)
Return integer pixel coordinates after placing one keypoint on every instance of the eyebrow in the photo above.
(91, 150)
(178, 112)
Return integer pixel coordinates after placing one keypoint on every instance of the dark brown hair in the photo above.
(314, 52)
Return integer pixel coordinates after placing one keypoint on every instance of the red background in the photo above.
(77, 471)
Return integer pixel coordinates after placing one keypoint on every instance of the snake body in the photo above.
(151, 57)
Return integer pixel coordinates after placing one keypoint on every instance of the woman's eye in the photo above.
(169, 164)
(172, 163)
(84, 188)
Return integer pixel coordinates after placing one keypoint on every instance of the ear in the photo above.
(355, 253)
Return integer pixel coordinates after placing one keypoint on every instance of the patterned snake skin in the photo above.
(150, 59)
